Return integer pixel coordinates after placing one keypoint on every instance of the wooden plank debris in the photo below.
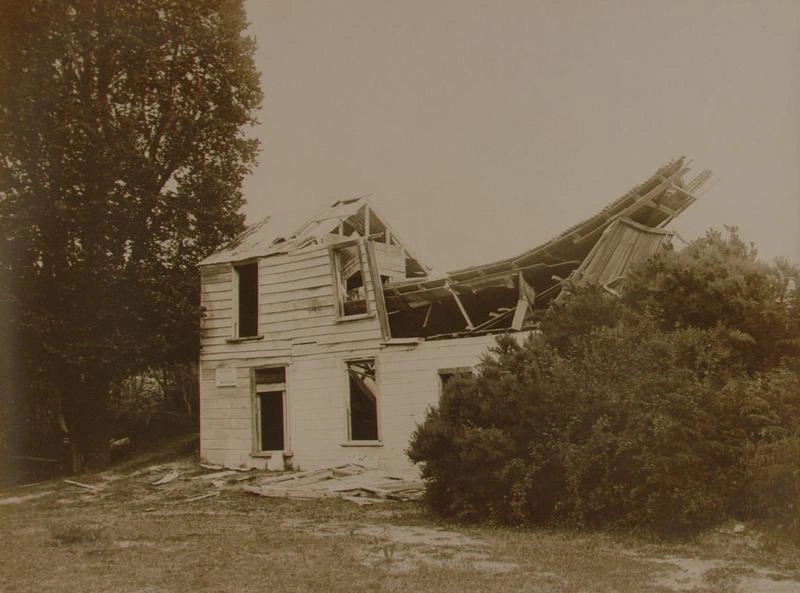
(363, 500)
(290, 492)
(169, 477)
(351, 482)
(215, 475)
(87, 486)
(213, 466)
(201, 497)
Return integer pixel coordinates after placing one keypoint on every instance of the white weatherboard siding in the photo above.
(408, 383)
(317, 400)
(300, 328)
(296, 302)
(226, 421)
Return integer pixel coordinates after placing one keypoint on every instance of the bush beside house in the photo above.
(667, 410)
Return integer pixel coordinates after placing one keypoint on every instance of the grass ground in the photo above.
(130, 536)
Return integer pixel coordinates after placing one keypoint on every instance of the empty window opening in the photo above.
(247, 317)
(363, 417)
(351, 291)
(270, 399)
(447, 375)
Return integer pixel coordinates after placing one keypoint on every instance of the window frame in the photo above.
(350, 441)
(339, 288)
(236, 298)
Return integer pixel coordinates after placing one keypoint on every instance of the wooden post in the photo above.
(377, 289)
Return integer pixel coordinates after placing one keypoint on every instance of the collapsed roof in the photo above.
(501, 295)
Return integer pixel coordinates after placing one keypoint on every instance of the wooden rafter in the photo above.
(449, 289)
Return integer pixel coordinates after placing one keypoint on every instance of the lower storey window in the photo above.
(363, 403)
(447, 375)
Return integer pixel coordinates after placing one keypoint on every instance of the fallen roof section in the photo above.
(623, 244)
(501, 294)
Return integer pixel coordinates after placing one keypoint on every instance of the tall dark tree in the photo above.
(122, 151)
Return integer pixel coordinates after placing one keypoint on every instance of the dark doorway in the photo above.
(271, 404)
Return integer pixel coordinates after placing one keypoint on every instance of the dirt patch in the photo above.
(685, 574)
(693, 573)
(765, 584)
(402, 549)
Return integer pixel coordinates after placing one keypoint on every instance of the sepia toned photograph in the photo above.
(442, 295)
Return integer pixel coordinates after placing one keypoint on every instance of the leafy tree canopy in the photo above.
(123, 149)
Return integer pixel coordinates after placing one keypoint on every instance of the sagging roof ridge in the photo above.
(292, 235)
(669, 174)
(667, 170)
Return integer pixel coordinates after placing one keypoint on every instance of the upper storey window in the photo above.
(349, 275)
(246, 276)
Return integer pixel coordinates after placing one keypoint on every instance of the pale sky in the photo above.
(483, 128)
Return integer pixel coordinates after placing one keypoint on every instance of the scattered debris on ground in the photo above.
(351, 482)
(82, 485)
(188, 481)
(167, 478)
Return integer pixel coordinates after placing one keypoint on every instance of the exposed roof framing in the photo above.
(626, 231)
(285, 232)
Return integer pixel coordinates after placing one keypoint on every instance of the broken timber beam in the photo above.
(377, 288)
(427, 316)
(460, 306)
(522, 305)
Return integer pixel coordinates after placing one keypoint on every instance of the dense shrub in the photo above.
(718, 281)
(771, 456)
(583, 309)
(634, 418)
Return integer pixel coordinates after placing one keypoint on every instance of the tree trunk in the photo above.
(87, 423)
(75, 457)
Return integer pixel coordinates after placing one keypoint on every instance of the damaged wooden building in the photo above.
(324, 341)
